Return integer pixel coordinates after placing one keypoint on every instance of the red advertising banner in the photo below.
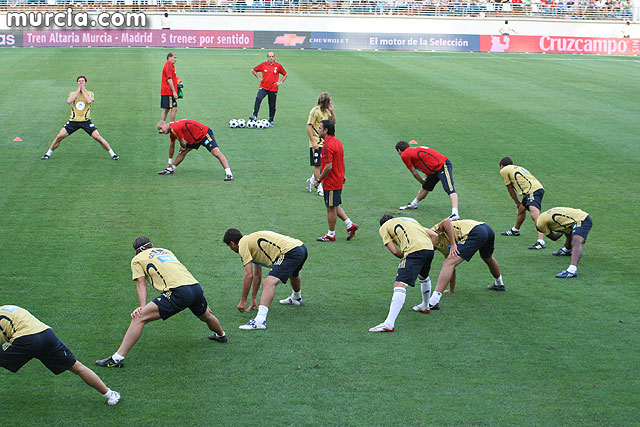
(551, 44)
(152, 38)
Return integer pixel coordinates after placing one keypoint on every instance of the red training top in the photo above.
(270, 75)
(168, 72)
(333, 153)
(191, 131)
(426, 159)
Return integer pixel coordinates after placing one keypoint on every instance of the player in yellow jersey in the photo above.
(322, 111)
(283, 254)
(528, 188)
(179, 290)
(408, 240)
(575, 224)
(23, 337)
(458, 241)
(80, 118)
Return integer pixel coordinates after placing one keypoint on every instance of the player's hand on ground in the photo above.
(253, 305)
(448, 291)
(241, 306)
(137, 312)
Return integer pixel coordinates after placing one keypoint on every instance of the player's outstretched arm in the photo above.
(392, 248)
(246, 286)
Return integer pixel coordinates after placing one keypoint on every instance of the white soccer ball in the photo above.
(260, 124)
(241, 123)
(251, 124)
(233, 123)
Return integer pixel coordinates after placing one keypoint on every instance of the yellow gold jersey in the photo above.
(560, 219)
(316, 115)
(80, 108)
(461, 229)
(265, 247)
(16, 322)
(522, 180)
(407, 234)
(161, 268)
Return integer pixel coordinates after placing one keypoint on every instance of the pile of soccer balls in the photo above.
(251, 124)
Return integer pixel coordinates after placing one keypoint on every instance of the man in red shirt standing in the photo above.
(436, 167)
(332, 178)
(269, 85)
(169, 88)
(191, 135)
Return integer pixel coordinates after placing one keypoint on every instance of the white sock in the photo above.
(117, 358)
(454, 211)
(425, 287)
(397, 301)
(262, 314)
(49, 153)
(348, 223)
(415, 202)
(228, 171)
(172, 168)
(296, 295)
(572, 269)
(331, 233)
(109, 393)
(541, 242)
(435, 298)
(320, 187)
(313, 178)
(112, 153)
(499, 281)
(515, 229)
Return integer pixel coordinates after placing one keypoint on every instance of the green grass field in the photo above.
(546, 352)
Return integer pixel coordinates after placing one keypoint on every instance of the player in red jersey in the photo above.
(435, 166)
(169, 88)
(191, 135)
(269, 84)
(332, 178)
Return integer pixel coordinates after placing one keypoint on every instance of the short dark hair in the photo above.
(82, 77)
(170, 54)
(232, 235)
(166, 14)
(141, 243)
(385, 218)
(506, 22)
(329, 126)
(402, 145)
(506, 161)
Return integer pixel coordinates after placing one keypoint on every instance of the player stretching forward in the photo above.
(80, 118)
(575, 224)
(416, 251)
(286, 257)
(458, 241)
(519, 179)
(192, 135)
(23, 337)
(179, 291)
(435, 166)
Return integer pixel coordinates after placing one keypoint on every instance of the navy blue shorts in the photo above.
(534, 199)
(314, 156)
(168, 101)
(177, 299)
(332, 197)
(444, 175)
(209, 142)
(86, 126)
(44, 346)
(582, 228)
(414, 264)
(481, 239)
(290, 264)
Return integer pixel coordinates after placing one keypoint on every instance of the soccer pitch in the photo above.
(545, 352)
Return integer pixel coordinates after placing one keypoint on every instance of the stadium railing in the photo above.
(620, 10)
